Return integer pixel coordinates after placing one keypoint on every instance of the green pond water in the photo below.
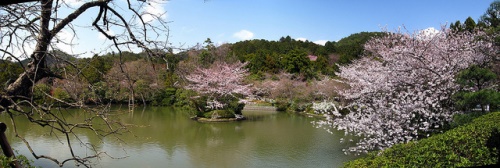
(165, 137)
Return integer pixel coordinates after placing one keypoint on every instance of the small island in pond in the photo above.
(220, 91)
(220, 116)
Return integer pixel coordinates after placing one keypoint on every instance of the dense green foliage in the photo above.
(352, 47)
(283, 46)
(491, 17)
(468, 25)
(21, 159)
(287, 54)
(478, 89)
(112, 77)
(473, 144)
(9, 72)
(468, 100)
(93, 69)
(219, 114)
(200, 104)
(292, 55)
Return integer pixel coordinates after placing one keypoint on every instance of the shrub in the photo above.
(299, 106)
(61, 94)
(259, 76)
(236, 106)
(21, 159)
(281, 105)
(219, 114)
(40, 91)
(183, 97)
(464, 146)
(169, 97)
(462, 119)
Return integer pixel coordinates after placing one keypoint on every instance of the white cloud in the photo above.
(321, 42)
(243, 35)
(152, 10)
(65, 40)
(301, 39)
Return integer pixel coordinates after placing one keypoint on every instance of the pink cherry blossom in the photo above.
(400, 90)
(220, 80)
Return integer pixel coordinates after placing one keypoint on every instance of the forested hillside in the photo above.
(156, 81)
(303, 57)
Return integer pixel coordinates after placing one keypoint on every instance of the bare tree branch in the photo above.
(30, 31)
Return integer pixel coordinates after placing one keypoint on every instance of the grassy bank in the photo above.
(473, 144)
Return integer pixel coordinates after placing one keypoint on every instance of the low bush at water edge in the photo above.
(473, 144)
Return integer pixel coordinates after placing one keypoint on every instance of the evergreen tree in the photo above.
(330, 47)
(457, 26)
(296, 61)
(492, 15)
(477, 85)
(470, 24)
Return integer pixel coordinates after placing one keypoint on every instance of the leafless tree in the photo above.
(38, 23)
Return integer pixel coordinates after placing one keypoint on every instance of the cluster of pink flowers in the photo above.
(220, 80)
(401, 88)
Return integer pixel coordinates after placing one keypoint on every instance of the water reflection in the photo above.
(165, 137)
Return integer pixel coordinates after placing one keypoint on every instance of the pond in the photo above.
(166, 137)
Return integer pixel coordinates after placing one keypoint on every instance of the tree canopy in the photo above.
(402, 88)
(492, 15)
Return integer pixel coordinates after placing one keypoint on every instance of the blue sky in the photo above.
(229, 21)
(314, 20)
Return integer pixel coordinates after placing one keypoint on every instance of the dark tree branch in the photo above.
(11, 2)
(77, 13)
(27, 24)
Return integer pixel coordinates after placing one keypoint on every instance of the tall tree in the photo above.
(492, 15)
(477, 89)
(401, 89)
(330, 47)
(470, 24)
(40, 23)
(218, 82)
(457, 26)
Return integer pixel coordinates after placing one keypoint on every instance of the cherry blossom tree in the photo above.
(219, 81)
(401, 89)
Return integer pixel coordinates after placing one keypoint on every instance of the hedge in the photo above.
(473, 144)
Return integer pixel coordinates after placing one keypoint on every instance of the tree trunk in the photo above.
(36, 67)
